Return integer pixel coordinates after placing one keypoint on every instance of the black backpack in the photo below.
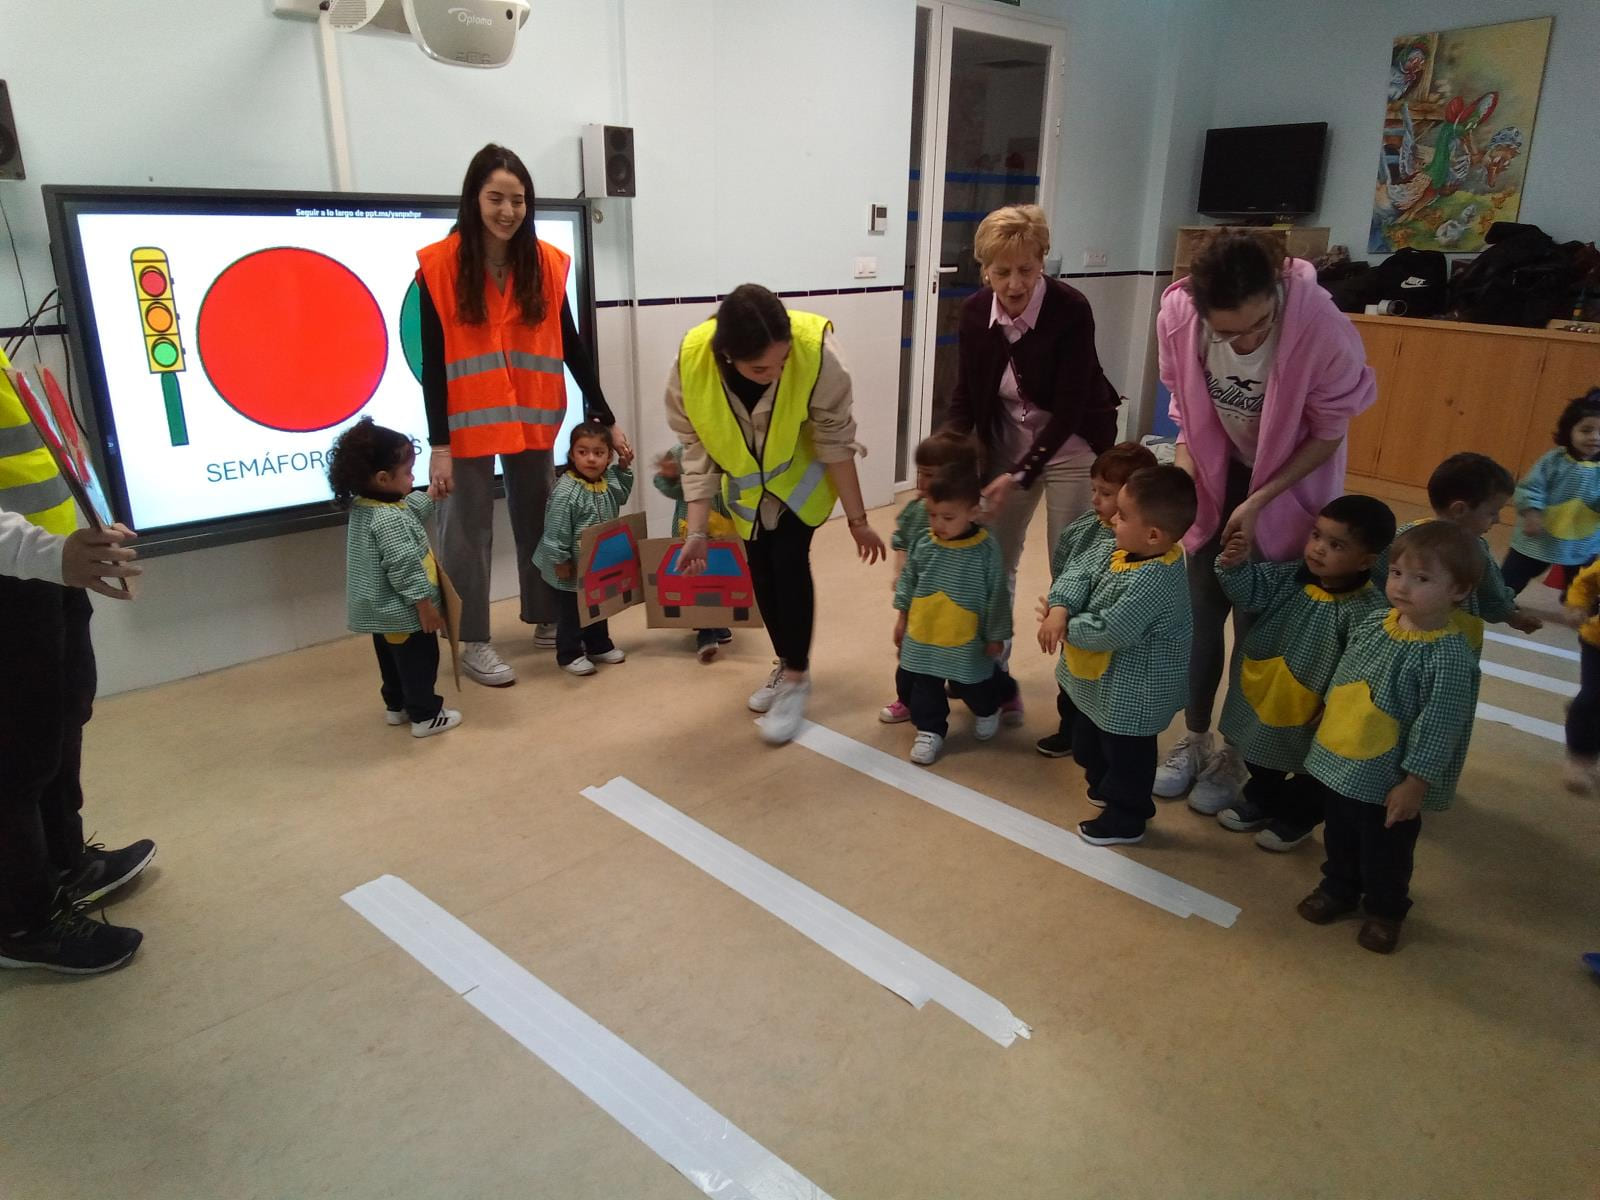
(1417, 279)
(1522, 278)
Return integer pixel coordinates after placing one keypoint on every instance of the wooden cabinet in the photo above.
(1292, 241)
(1445, 387)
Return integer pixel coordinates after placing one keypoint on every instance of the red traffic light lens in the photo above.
(153, 281)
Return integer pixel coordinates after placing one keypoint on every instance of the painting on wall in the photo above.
(1461, 107)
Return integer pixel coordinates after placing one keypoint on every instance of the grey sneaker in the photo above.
(1219, 784)
(1183, 765)
(761, 699)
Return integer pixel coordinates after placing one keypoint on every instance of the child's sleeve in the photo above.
(622, 480)
(672, 489)
(1252, 587)
(398, 556)
(1535, 485)
(559, 543)
(900, 539)
(1061, 552)
(1496, 601)
(906, 586)
(1437, 737)
(997, 625)
(421, 504)
(1124, 622)
(1072, 587)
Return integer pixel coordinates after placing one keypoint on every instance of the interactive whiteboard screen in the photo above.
(227, 338)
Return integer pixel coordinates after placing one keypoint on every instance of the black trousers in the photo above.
(925, 696)
(410, 669)
(47, 685)
(1583, 718)
(1365, 860)
(780, 568)
(1295, 799)
(1120, 767)
(573, 641)
(1520, 570)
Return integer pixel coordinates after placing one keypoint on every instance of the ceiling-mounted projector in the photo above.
(465, 33)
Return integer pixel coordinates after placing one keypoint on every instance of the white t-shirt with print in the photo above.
(1238, 386)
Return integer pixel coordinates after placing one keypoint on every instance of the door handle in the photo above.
(943, 270)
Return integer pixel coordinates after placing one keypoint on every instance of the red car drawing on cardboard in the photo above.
(725, 583)
(613, 570)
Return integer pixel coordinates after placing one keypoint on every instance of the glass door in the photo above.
(983, 135)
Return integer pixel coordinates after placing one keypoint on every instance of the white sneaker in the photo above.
(984, 728)
(481, 663)
(544, 636)
(1220, 783)
(391, 717)
(1174, 776)
(579, 666)
(447, 719)
(610, 657)
(761, 699)
(925, 750)
(788, 711)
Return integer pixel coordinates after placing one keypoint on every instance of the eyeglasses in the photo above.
(1261, 326)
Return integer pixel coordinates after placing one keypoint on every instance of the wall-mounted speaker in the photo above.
(10, 146)
(608, 161)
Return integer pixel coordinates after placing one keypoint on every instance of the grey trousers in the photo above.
(466, 534)
(1211, 607)
(1065, 489)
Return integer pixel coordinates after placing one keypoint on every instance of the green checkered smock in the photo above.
(1087, 531)
(1491, 601)
(574, 505)
(388, 564)
(911, 524)
(956, 600)
(1125, 662)
(1275, 687)
(1400, 703)
(1565, 491)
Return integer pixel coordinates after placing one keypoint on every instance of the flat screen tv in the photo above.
(225, 338)
(1263, 170)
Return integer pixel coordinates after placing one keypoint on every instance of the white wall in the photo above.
(1330, 62)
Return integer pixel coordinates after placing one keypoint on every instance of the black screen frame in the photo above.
(1211, 164)
(64, 203)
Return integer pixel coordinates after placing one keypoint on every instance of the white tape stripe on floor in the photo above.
(1026, 830)
(1524, 643)
(904, 971)
(1548, 730)
(1533, 679)
(696, 1140)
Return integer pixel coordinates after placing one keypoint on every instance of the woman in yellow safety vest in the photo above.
(761, 403)
(496, 332)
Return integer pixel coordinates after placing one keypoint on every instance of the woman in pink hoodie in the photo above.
(1265, 375)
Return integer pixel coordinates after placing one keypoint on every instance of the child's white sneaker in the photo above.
(1221, 782)
(446, 720)
(391, 717)
(984, 728)
(610, 657)
(925, 750)
(1183, 765)
(579, 666)
(1579, 775)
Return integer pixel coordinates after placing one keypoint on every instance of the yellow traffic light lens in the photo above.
(164, 352)
(158, 318)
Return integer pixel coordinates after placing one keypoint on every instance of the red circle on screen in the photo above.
(152, 282)
(292, 339)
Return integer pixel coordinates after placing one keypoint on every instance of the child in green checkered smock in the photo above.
(1088, 534)
(1394, 732)
(1558, 501)
(1306, 611)
(391, 577)
(1470, 490)
(954, 601)
(589, 491)
(942, 453)
(1121, 618)
(669, 482)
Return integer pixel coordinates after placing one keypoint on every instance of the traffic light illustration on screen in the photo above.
(163, 343)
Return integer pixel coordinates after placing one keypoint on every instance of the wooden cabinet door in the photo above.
(1366, 431)
(1456, 391)
(1571, 369)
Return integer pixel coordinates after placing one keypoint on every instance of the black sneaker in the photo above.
(1243, 817)
(724, 636)
(1056, 745)
(1282, 837)
(1102, 831)
(104, 871)
(71, 944)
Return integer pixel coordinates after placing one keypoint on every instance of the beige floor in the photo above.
(268, 1042)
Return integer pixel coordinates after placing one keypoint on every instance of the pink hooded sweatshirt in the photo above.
(1319, 381)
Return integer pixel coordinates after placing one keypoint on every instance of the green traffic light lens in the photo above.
(163, 352)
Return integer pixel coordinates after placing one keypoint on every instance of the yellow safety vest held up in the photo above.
(29, 481)
(789, 468)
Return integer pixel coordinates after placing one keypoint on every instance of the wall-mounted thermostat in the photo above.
(877, 218)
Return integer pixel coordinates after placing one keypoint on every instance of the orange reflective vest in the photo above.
(505, 387)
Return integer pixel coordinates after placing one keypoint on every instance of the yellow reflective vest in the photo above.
(29, 481)
(789, 468)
